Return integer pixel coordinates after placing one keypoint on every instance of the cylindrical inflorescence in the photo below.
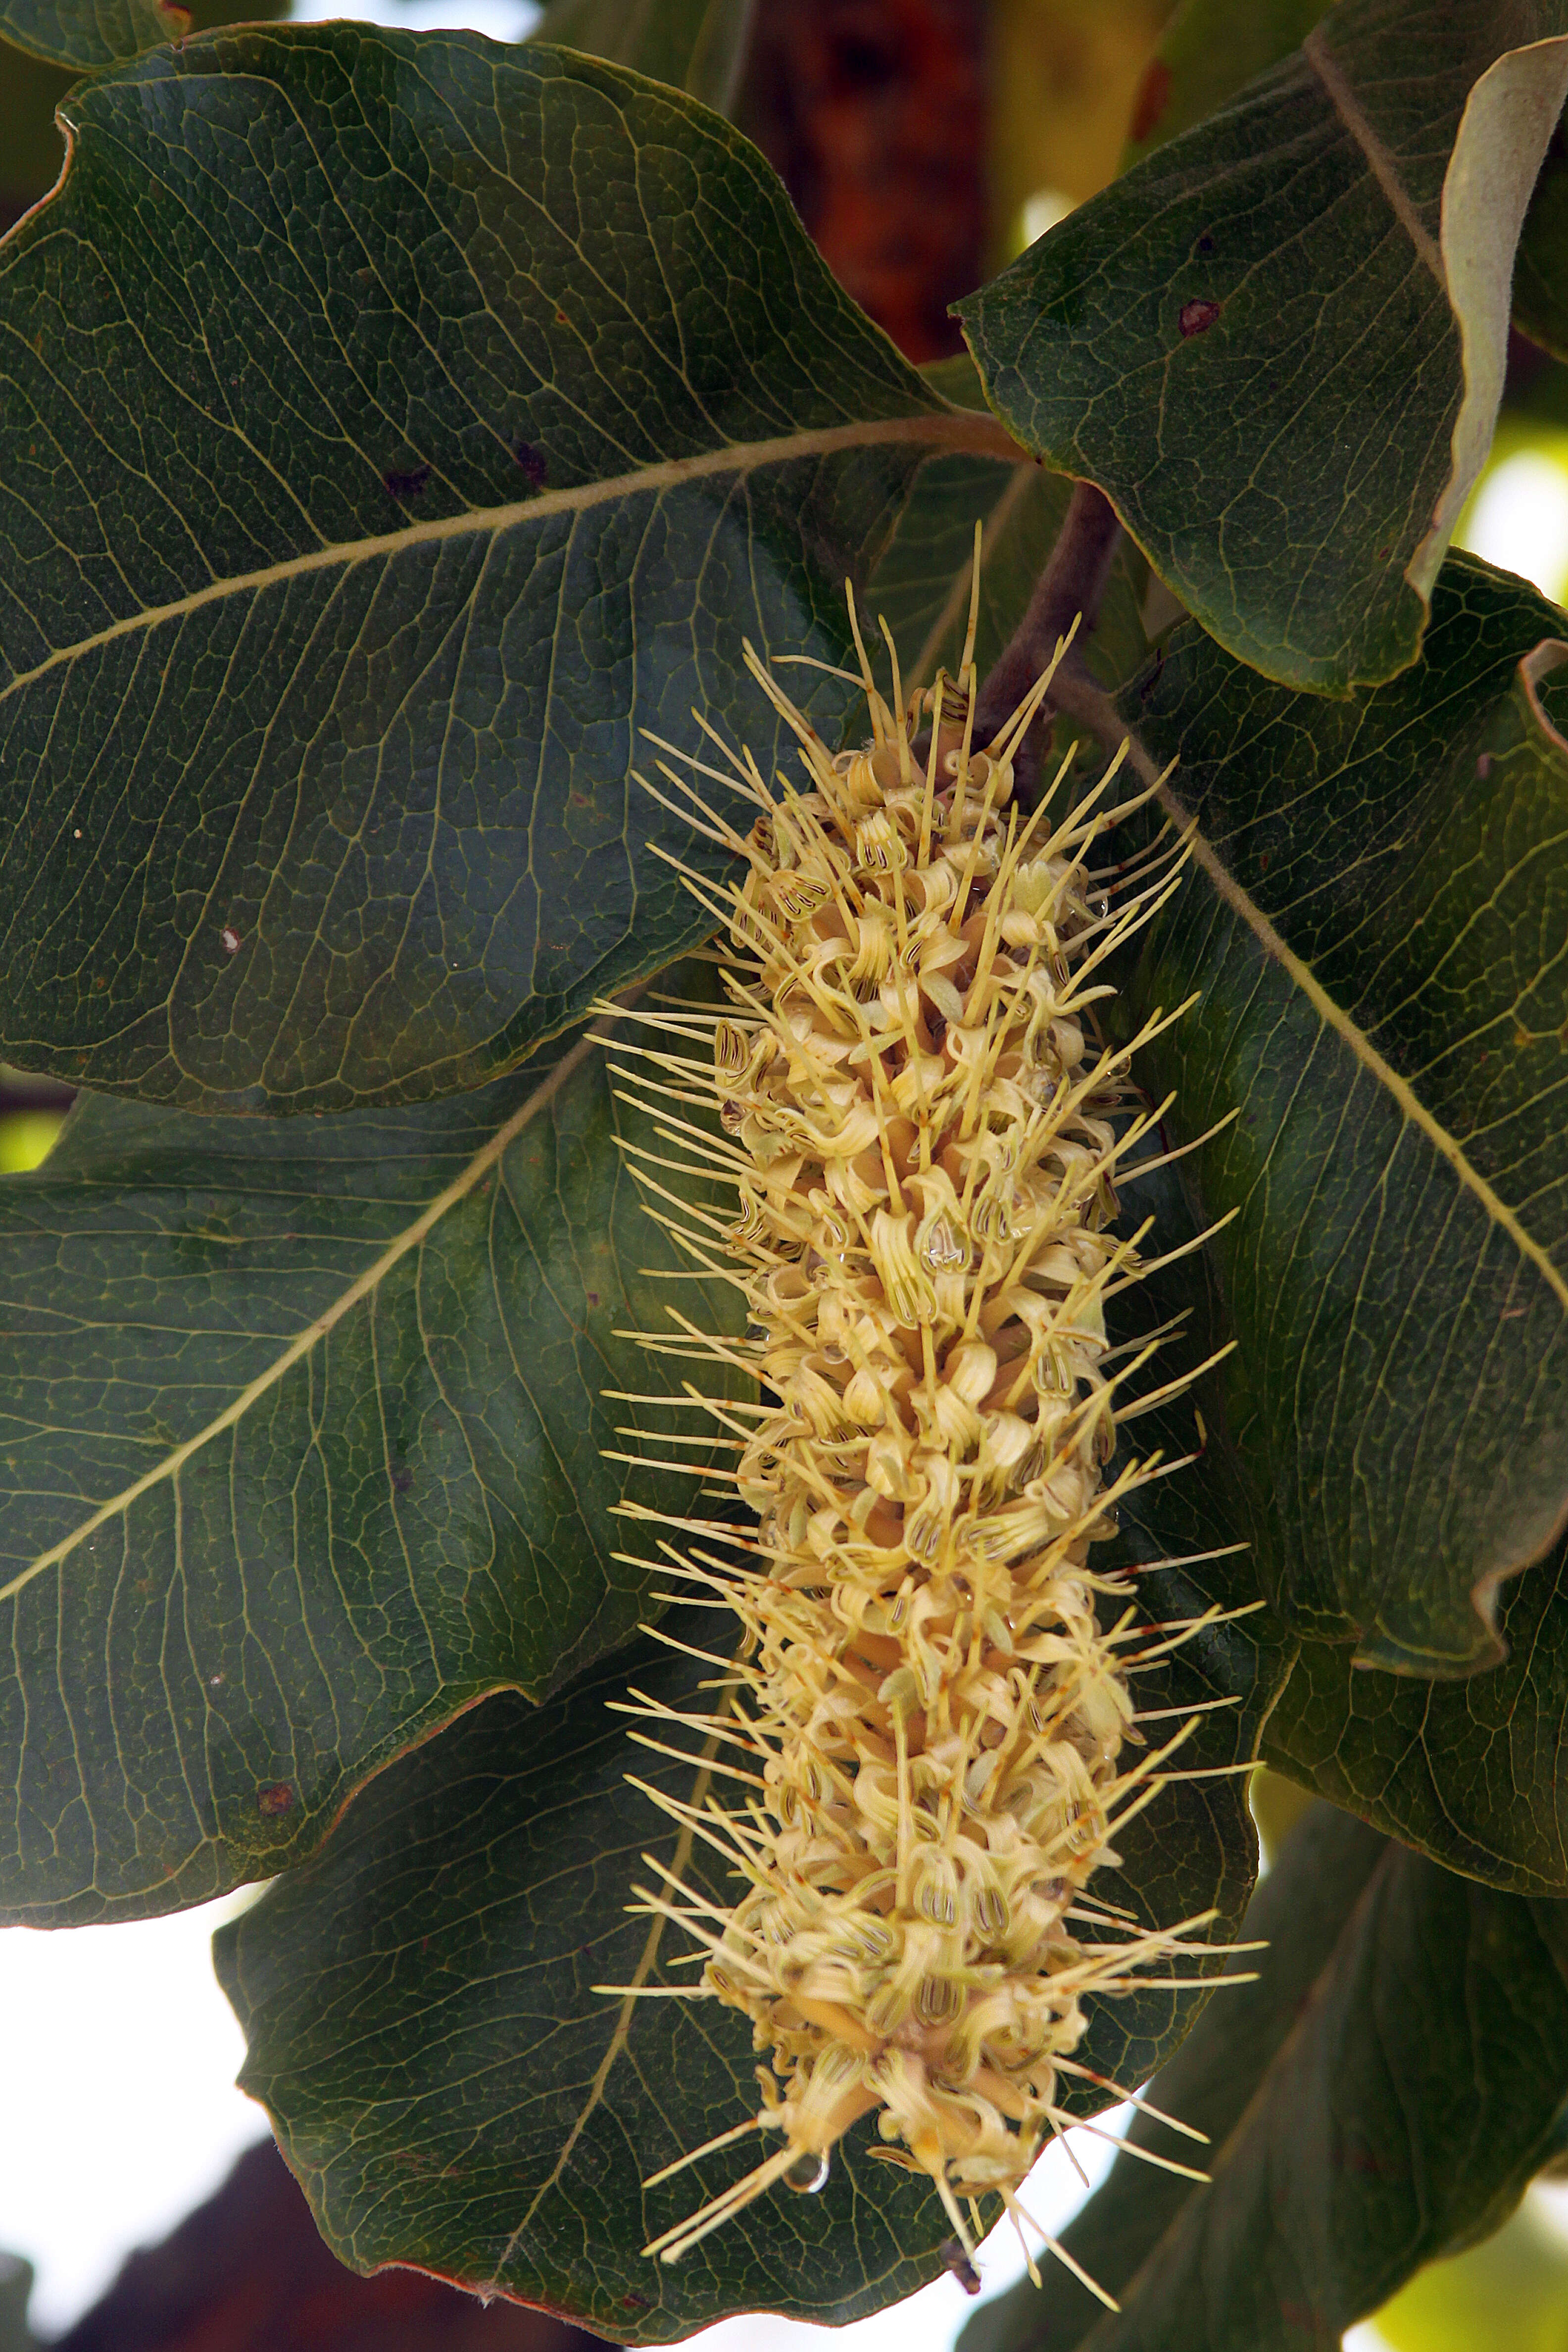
(922, 1133)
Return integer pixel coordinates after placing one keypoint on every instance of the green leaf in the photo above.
(1471, 1772)
(1211, 49)
(699, 46)
(340, 584)
(1323, 267)
(1300, 1912)
(451, 2092)
(1404, 2116)
(89, 32)
(1373, 927)
(300, 1425)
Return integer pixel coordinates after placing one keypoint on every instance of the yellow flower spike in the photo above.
(922, 1141)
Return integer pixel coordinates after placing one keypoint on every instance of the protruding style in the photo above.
(929, 1716)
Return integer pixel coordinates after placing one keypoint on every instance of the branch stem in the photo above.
(1072, 586)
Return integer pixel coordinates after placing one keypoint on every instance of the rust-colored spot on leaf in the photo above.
(230, 939)
(1199, 316)
(1153, 93)
(275, 1797)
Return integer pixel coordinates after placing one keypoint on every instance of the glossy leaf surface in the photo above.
(1321, 265)
(1471, 1772)
(1373, 928)
(301, 1426)
(373, 528)
(1298, 1911)
(88, 33)
(423, 2029)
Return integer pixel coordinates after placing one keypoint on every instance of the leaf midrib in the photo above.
(172, 1463)
(1336, 1018)
(1385, 171)
(963, 431)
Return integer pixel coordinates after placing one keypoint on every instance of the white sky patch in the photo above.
(503, 20)
(121, 2110)
(1519, 518)
(1041, 212)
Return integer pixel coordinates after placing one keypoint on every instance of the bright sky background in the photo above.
(503, 20)
(1518, 515)
(120, 2112)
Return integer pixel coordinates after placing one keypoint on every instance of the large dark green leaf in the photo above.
(1278, 343)
(423, 2030)
(452, 2092)
(300, 1429)
(1403, 2117)
(1299, 1913)
(1471, 1772)
(1374, 927)
(391, 426)
(88, 33)
(1213, 48)
(699, 46)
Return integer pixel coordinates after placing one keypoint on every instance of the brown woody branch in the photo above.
(1071, 587)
